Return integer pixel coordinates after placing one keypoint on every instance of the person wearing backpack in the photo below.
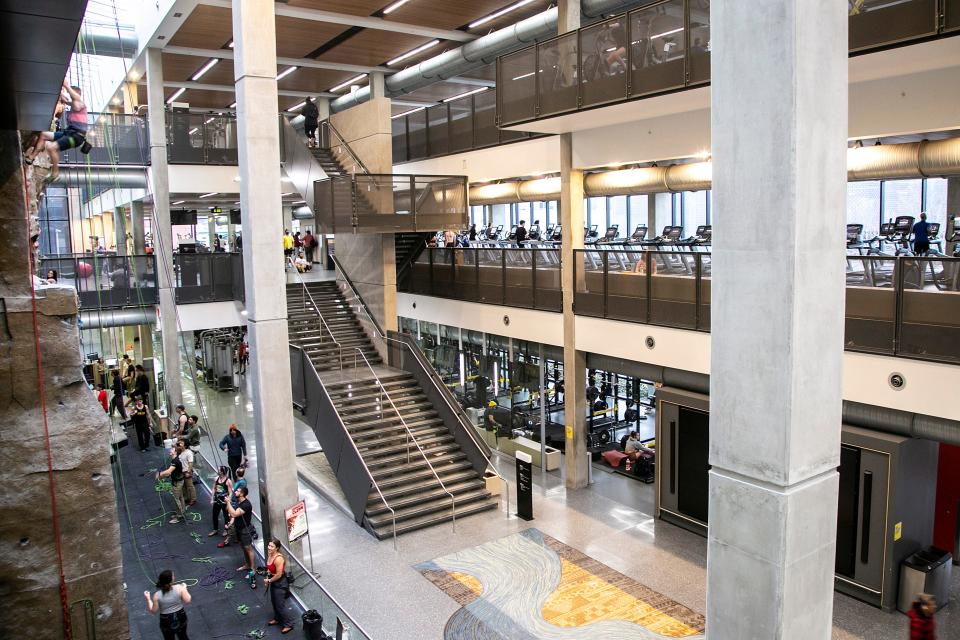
(310, 115)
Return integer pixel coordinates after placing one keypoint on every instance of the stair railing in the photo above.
(316, 309)
(333, 138)
(453, 405)
(410, 436)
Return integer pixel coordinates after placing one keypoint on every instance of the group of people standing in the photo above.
(229, 501)
(300, 249)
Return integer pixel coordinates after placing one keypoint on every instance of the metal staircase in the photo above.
(407, 246)
(404, 458)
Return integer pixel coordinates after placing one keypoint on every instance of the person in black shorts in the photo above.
(243, 527)
(921, 237)
(75, 135)
(140, 416)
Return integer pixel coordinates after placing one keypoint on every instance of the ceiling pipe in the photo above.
(110, 45)
(480, 52)
(103, 319)
(116, 177)
(926, 159)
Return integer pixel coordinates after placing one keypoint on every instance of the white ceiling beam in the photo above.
(367, 22)
(227, 54)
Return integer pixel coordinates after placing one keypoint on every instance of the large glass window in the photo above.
(54, 222)
(597, 213)
(694, 211)
(863, 207)
(902, 198)
(618, 214)
(552, 213)
(936, 204)
(476, 215)
(664, 205)
(523, 213)
(500, 215)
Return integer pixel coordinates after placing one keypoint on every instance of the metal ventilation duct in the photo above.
(116, 177)
(902, 423)
(939, 158)
(117, 317)
(117, 45)
(481, 51)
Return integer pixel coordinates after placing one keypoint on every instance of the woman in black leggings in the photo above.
(222, 489)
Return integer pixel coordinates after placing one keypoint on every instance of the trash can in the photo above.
(926, 571)
(313, 625)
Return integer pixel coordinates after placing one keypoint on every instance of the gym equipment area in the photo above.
(216, 355)
(886, 499)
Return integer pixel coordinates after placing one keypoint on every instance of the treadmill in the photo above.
(590, 236)
(903, 226)
(534, 233)
(638, 236)
(611, 235)
(556, 235)
(669, 235)
(855, 239)
(512, 236)
(701, 238)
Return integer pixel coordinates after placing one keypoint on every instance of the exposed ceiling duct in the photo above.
(480, 52)
(105, 318)
(111, 45)
(902, 423)
(116, 177)
(931, 158)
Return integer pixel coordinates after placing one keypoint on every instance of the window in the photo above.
(597, 213)
(902, 198)
(523, 213)
(476, 215)
(638, 212)
(552, 217)
(936, 204)
(664, 205)
(55, 223)
(500, 215)
(694, 211)
(618, 214)
(863, 207)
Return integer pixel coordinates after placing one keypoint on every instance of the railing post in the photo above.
(898, 301)
(606, 272)
(476, 273)
(648, 257)
(503, 277)
(430, 280)
(699, 276)
(413, 200)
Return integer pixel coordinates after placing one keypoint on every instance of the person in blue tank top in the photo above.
(921, 238)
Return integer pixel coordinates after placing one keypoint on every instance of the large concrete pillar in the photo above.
(162, 233)
(255, 70)
(574, 361)
(779, 128)
(652, 230)
(137, 227)
(378, 88)
(120, 229)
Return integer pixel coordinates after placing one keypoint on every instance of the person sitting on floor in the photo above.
(634, 448)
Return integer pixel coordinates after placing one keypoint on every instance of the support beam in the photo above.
(310, 63)
(162, 233)
(779, 128)
(120, 229)
(137, 227)
(366, 22)
(574, 361)
(255, 48)
(202, 86)
(377, 88)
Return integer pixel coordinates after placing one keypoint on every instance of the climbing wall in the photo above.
(58, 503)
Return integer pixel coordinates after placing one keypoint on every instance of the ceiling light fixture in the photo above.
(526, 75)
(296, 107)
(393, 7)
(230, 44)
(288, 193)
(194, 130)
(211, 63)
(176, 94)
(406, 113)
(208, 120)
(285, 73)
(667, 33)
(413, 52)
(497, 14)
(347, 83)
(178, 202)
(207, 195)
(464, 95)
(233, 105)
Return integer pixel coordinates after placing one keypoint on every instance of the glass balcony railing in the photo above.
(108, 281)
(194, 138)
(665, 46)
(898, 306)
(115, 139)
(465, 124)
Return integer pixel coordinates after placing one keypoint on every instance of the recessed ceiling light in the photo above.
(230, 44)
(297, 106)
(211, 63)
(667, 33)
(178, 202)
(464, 95)
(284, 195)
(413, 52)
(285, 73)
(233, 105)
(396, 5)
(208, 120)
(212, 193)
(176, 94)
(347, 83)
(497, 14)
(194, 130)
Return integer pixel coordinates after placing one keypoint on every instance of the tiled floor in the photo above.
(610, 521)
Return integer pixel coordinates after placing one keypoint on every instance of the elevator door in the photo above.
(693, 463)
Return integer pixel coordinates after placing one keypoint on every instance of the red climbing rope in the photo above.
(67, 631)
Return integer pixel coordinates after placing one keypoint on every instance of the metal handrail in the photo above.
(383, 391)
(316, 309)
(456, 408)
(346, 146)
(393, 513)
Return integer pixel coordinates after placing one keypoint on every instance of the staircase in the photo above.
(408, 485)
(308, 332)
(407, 246)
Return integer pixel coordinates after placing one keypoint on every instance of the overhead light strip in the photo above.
(413, 52)
(497, 14)
(211, 63)
(347, 83)
(464, 95)
(406, 113)
(667, 33)
(393, 7)
(207, 195)
(178, 202)
(297, 107)
(285, 73)
(176, 94)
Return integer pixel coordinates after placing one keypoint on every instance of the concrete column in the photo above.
(779, 128)
(652, 216)
(255, 70)
(377, 86)
(574, 361)
(120, 229)
(129, 92)
(231, 237)
(162, 233)
(323, 106)
(953, 209)
(568, 16)
(137, 227)
(211, 230)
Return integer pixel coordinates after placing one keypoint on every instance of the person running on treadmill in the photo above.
(921, 238)
(522, 232)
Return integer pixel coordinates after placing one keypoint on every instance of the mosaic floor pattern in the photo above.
(529, 585)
